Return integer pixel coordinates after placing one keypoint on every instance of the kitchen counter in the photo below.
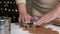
(16, 30)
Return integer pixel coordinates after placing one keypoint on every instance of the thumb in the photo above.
(36, 24)
(33, 18)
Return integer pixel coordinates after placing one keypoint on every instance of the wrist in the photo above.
(22, 13)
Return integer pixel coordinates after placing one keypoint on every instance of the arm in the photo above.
(22, 8)
(21, 5)
(49, 16)
(23, 15)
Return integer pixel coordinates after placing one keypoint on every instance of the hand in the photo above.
(25, 18)
(47, 17)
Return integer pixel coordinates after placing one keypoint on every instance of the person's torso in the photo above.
(44, 5)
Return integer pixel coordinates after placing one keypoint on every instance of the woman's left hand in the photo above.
(47, 17)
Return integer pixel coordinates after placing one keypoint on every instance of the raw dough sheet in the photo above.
(16, 30)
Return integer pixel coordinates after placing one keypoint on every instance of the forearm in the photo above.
(22, 7)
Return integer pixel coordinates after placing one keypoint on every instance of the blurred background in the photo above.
(10, 9)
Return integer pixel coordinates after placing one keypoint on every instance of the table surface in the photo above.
(16, 30)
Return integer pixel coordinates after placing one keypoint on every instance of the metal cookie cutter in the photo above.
(27, 25)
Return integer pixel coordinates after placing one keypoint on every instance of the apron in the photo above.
(41, 7)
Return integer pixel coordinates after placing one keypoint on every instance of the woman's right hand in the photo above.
(23, 15)
(25, 18)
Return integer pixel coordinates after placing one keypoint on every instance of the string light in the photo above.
(4, 2)
(1, 8)
(0, 2)
(14, 2)
(14, 17)
(16, 10)
(7, 1)
(2, 12)
(5, 9)
(12, 9)
(10, 2)
(9, 10)
(6, 5)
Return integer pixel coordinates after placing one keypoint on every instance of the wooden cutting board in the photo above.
(56, 22)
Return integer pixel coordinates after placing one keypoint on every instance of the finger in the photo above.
(40, 23)
(36, 24)
(50, 19)
(42, 20)
(28, 20)
(23, 20)
(47, 19)
(19, 19)
(33, 18)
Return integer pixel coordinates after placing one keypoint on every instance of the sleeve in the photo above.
(20, 1)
